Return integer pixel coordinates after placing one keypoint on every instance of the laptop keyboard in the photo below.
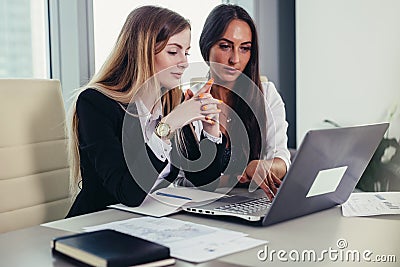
(247, 207)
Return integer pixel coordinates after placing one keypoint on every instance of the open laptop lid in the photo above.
(325, 170)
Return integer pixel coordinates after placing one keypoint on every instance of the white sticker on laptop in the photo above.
(326, 181)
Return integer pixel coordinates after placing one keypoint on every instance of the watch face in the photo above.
(163, 129)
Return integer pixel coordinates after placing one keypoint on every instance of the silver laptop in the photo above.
(324, 172)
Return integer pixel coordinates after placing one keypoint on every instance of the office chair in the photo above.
(34, 169)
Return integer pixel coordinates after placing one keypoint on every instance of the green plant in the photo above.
(383, 171)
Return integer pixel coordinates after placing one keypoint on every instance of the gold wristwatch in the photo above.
(163, 130)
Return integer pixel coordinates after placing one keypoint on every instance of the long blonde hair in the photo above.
(145, 33)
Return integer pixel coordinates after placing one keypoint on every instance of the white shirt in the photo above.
(147, 122)
(276, 125)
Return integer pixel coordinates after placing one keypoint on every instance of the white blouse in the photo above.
(276, 125)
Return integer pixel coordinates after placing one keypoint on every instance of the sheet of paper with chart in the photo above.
(372, 203)
(169, 200)
(187, 241)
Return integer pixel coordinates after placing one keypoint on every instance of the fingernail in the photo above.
(210, 81)
(220, 101)
(201, 95)
(204, 107)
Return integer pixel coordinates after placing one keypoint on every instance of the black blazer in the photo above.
(108, 140)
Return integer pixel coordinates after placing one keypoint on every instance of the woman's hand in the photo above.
(261, 173)
(211, 123)
(200, 106)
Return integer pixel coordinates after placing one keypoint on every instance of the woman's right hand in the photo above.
(201, 106)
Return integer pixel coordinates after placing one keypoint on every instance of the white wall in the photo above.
(347, 63)
(106, 31)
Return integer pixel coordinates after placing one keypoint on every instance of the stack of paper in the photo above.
(372, 203)
(187, 241)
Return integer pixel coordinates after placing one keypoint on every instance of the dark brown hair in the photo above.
(245, 87)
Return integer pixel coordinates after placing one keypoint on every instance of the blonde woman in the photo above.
(123, 139)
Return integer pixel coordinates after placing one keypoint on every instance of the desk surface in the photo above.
(31, 247)
(317, 232)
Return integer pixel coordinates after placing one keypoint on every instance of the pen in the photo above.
(171, 195)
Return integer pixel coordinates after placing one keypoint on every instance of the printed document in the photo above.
(187, 241)
(372, 203)
(169, 200)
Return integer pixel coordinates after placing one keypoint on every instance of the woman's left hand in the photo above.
(260, 172)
